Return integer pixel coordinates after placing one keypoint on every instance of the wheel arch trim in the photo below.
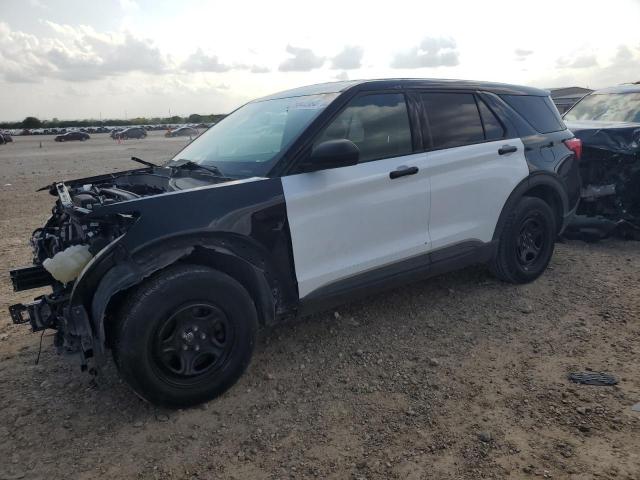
(540, 183)
(115, 271)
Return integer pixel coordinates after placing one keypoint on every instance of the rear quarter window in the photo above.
(539, 112)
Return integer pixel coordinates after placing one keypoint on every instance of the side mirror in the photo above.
(331, 154)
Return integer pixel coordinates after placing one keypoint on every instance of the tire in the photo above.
(185, 336)
(526, 242)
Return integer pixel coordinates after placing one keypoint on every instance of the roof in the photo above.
(569, 92)
(626, 88)
(391, 83)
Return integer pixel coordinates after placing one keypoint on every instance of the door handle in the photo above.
(507, 149)
(403, 171)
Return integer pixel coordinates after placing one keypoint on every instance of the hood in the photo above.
(614, 137)
(95, 192)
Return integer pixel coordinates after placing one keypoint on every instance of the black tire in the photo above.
(526, 242)
(160, 346)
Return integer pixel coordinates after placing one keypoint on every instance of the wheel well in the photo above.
(248, 276)
(552, 198)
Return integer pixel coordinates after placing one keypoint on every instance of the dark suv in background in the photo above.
(132, 132)
(293, 203)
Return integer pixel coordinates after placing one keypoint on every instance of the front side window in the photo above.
(378, 124)
(250, 140)
(454, 119)
(609, 107)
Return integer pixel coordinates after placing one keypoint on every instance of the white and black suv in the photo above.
(295, 202)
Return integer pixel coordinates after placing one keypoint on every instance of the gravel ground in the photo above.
(460, 376)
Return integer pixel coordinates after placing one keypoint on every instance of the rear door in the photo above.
(354, 221)
(473, 167)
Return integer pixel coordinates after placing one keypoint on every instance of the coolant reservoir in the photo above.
(64, 266)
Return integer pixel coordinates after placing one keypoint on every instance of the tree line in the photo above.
(33, 122)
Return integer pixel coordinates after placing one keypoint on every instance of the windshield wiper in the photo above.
(144, 162)
(189, 164)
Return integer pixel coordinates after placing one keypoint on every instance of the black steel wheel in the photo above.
(531, 241)
(526, 242)
(194, 340)
(185, 335)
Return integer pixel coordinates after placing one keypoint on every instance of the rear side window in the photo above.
(454, 119)
(378, 124)
(540, 112)
(493, 129)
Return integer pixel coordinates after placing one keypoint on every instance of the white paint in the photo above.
(345, 221)
(469, 187)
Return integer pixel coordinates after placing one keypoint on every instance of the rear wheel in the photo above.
(185, 336)
(526, 242)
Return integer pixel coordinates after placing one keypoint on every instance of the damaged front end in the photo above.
(610, 171)
(83, 228)
(74, 234)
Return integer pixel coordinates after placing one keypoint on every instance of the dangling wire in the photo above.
(40, 348)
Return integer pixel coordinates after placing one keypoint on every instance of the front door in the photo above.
(352, 220)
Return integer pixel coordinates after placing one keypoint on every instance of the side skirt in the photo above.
(395, 275)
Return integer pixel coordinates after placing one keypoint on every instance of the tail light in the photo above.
(575, 145)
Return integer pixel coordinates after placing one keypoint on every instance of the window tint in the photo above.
(453, 119)
(540, 112)
(493, 129)
(377, 124)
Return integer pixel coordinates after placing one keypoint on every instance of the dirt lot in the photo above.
(456, 377)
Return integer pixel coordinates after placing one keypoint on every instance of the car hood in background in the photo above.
(614, 137)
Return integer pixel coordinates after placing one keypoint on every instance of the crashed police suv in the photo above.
(293, 203)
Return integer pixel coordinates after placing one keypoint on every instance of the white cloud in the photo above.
(349, 58)
(201, 62)
(129, 5)
(582, 61)
(76, 53)
(522, 54)
(432, 52)
(303, 60)
(259, 69)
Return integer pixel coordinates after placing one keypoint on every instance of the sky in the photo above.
(79, 59)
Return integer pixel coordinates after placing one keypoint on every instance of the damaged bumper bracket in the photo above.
(37, 313)
(26, 278)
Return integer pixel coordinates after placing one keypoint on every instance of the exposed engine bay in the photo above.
(78, 230)
(610, 171)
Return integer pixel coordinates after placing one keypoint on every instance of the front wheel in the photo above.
(526, 242)
(185, 336)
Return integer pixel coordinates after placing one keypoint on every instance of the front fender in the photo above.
(115, 270)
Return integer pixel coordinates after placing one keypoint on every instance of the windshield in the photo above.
(249, 141)
(609, 107)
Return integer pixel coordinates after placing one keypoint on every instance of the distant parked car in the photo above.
(182, 132)
(72, 136)
(133, 132)
(5, 138)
